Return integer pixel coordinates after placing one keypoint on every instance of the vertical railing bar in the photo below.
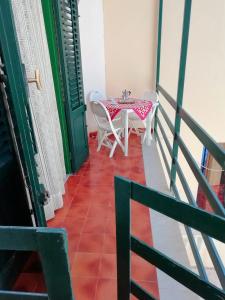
(194, 247)
(181, 79)
(53, 251)
(122, 200)
(159, 39)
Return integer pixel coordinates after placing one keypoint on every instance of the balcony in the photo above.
(167, 257)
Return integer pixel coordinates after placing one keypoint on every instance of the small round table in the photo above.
(141, 107)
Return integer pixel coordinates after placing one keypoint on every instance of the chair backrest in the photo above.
(96, 96)
(100, 113)
(151, 96)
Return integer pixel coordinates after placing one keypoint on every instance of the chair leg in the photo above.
(99, 136)
(113, 149)
(101, 141)
(115, 144)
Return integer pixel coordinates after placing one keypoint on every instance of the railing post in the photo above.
(53, 251)
(180, 90)
(122, 199)
(158, 55)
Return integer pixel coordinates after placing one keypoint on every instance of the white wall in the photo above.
(92, 50)
(130, 45)
(204, 90)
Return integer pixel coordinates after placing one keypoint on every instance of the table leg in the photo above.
(126, 135)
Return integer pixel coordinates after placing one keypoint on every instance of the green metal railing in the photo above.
(207, 223)
(173, 167)
(51, 244)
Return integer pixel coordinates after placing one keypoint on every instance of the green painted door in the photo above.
(14, 209)
(67, 31)
(16, 89)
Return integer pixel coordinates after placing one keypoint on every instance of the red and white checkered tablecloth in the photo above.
(140, 107)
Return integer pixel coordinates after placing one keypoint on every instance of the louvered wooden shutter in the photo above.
(67, 34)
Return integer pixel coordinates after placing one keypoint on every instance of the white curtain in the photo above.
(34, 51)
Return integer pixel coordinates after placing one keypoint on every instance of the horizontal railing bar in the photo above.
(210, 194)
(22, 238)
(165, 138)
(176, 271)
(8, 295)
(166, 118)
(213, 253)
(196, 218)
(140, 293)
(194, 247)
(212, 146)
(163, 154)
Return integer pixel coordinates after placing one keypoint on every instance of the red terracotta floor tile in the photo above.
(86, 265)
(77, 211)
(97, 211)
(75, 226)
(108, 266)
(110, 226)
(94, 225)
(73, 242)
(89, 217)
(141, 270)
(106, 289)
(109, 245)
(84, 288)
(81, 199)
(41, 286)
(26, 282)
(90, 242)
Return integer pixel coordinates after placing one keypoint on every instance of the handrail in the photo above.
(51, 244)
(207, 223)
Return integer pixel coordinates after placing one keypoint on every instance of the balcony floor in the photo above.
(88, 216)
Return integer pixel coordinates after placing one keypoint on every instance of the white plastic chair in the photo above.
(133, 118)
(96, 96)
(107, 127)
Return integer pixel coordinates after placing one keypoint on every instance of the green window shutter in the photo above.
(53, 51)
(67, 29)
